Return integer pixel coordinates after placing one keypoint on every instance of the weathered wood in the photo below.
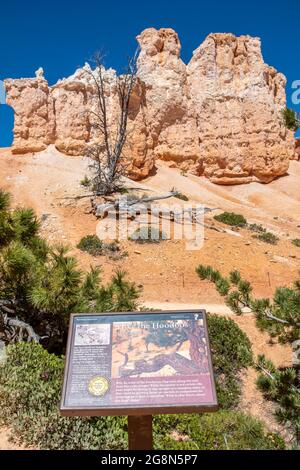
(123, 205)
(140, 432)
(13, 329)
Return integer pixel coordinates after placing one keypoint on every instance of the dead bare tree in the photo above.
(108, 165)
(12, 329)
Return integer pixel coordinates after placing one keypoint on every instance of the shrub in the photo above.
(280, 317)
(224, 430)
(291, 119)
(257, 228)
(112, 247)
(30, 387)
(91, 244)
(4, 200)
(179, 195)
(41, 285)
(86, 182)
(231, 352)
(147, 235)
(296, 242)
(267, 237)
(230, 218)
(282, 386)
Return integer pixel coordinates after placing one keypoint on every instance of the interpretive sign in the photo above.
(138, 363)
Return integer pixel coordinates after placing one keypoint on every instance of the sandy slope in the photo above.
(47, 181)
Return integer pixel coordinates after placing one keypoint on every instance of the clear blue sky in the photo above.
(62, 35)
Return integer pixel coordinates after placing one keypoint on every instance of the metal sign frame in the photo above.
(136, 410)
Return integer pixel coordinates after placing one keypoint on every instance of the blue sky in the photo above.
(62, 35)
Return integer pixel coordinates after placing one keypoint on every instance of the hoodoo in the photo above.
(219, 116)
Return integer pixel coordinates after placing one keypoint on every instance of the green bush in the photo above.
(224, 430)
(267, 237)
(147, 235)
(280, 317)
(296, 242)
(86, 182)
(30, 387)
(231, 352)
(91, 244)
(230, 218)
(257, 228)
(41, 284)
(112, 247)
(179, 195)
(291, 119)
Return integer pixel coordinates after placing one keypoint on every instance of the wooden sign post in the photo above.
(138, 364)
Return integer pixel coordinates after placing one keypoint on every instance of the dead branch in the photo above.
(14, 330)
(106, 156)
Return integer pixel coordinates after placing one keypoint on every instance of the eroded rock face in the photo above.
(297, 149)
(171, 126)
(219, 116)
(31, 100)
(238, 100)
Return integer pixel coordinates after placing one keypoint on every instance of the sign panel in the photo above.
(138, 363)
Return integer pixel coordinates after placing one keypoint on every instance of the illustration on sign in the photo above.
(138, 360)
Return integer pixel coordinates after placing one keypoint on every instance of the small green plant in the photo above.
(267, 237)
(231, 353)
(280, 318)
(91, 244)
(112, 247)
(257, 228)
(147, 235)
(291, 119)
(30, 388)
(225, 430)
(86, 182)
(296, 242)
(230, 218)
(179, 195)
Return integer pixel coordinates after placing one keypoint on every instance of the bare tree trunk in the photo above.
(107, 159)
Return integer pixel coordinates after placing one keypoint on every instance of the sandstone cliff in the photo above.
(297, 150)
(219, 116)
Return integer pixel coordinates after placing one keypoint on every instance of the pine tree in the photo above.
(280, 317)
(291, 119)
(40, 285)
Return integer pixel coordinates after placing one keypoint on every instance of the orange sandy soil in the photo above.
(48, 181)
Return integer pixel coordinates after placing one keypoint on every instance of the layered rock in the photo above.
(32, 102)
(219, 116)
(297, 149)
(171, 125)
(238, 100)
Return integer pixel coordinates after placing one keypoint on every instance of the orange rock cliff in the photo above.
(219, 116)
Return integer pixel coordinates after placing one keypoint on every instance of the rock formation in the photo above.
(297, 149)
(219, 116)
(238, 101)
